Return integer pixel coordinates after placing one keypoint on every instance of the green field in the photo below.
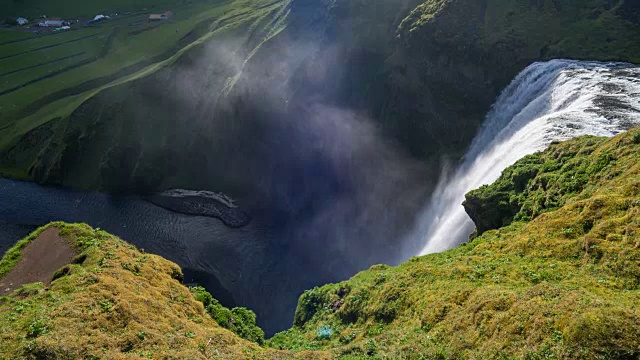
(46, 75)
(76, 8)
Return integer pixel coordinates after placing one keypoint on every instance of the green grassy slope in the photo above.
(47, 77)
(527, 31)
(113, 49)
(565, 285)
(116, 302)
(127, 33)
(70, 9)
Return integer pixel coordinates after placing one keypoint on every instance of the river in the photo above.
(238, 265)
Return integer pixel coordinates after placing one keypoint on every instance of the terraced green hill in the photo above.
(76, 8)
(46, 76)
(60, 64)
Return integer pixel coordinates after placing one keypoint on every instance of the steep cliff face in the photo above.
(454, 57)
(563, 285)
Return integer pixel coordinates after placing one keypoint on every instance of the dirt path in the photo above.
(40, 259)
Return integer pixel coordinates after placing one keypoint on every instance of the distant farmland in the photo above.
(46, 74)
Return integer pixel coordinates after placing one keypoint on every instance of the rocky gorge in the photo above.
(332, 123)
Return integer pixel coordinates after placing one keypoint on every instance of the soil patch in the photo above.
(40, 260)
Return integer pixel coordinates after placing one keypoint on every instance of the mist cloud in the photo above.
(270, 128)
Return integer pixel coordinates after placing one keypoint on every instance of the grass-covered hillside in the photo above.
(546, 181)
(565, 285)
(113, 301)
(527, 30)
(559, 279)
(34, 9)
(46, 75)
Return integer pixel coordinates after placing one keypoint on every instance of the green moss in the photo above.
(239, 320)
(545, 181)
(99, 309)
(539, 183)
(564, 285)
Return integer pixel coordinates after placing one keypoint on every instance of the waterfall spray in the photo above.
(548, 101)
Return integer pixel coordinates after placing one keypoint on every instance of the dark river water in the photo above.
(239, 266)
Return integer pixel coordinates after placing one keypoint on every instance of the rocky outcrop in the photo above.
(543, 182)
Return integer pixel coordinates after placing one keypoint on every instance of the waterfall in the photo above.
(548, 101)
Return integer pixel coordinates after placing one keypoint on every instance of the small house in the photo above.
(161, 17)
(22, 21)
(53, 23)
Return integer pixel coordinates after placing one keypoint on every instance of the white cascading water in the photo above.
(548, 101)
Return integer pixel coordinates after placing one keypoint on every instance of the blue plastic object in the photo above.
(325, 332)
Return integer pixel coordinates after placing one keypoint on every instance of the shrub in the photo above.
(202, 295)
(177, 274)
(241, 321)
(37, 328)
(310, 302)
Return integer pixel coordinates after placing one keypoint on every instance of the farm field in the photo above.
(47, 74)
(41, 64)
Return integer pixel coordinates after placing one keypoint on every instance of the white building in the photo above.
(22, 21)
(53, 23)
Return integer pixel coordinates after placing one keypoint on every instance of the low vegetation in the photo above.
(116, 302)
(565, 285)
(241, 321)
